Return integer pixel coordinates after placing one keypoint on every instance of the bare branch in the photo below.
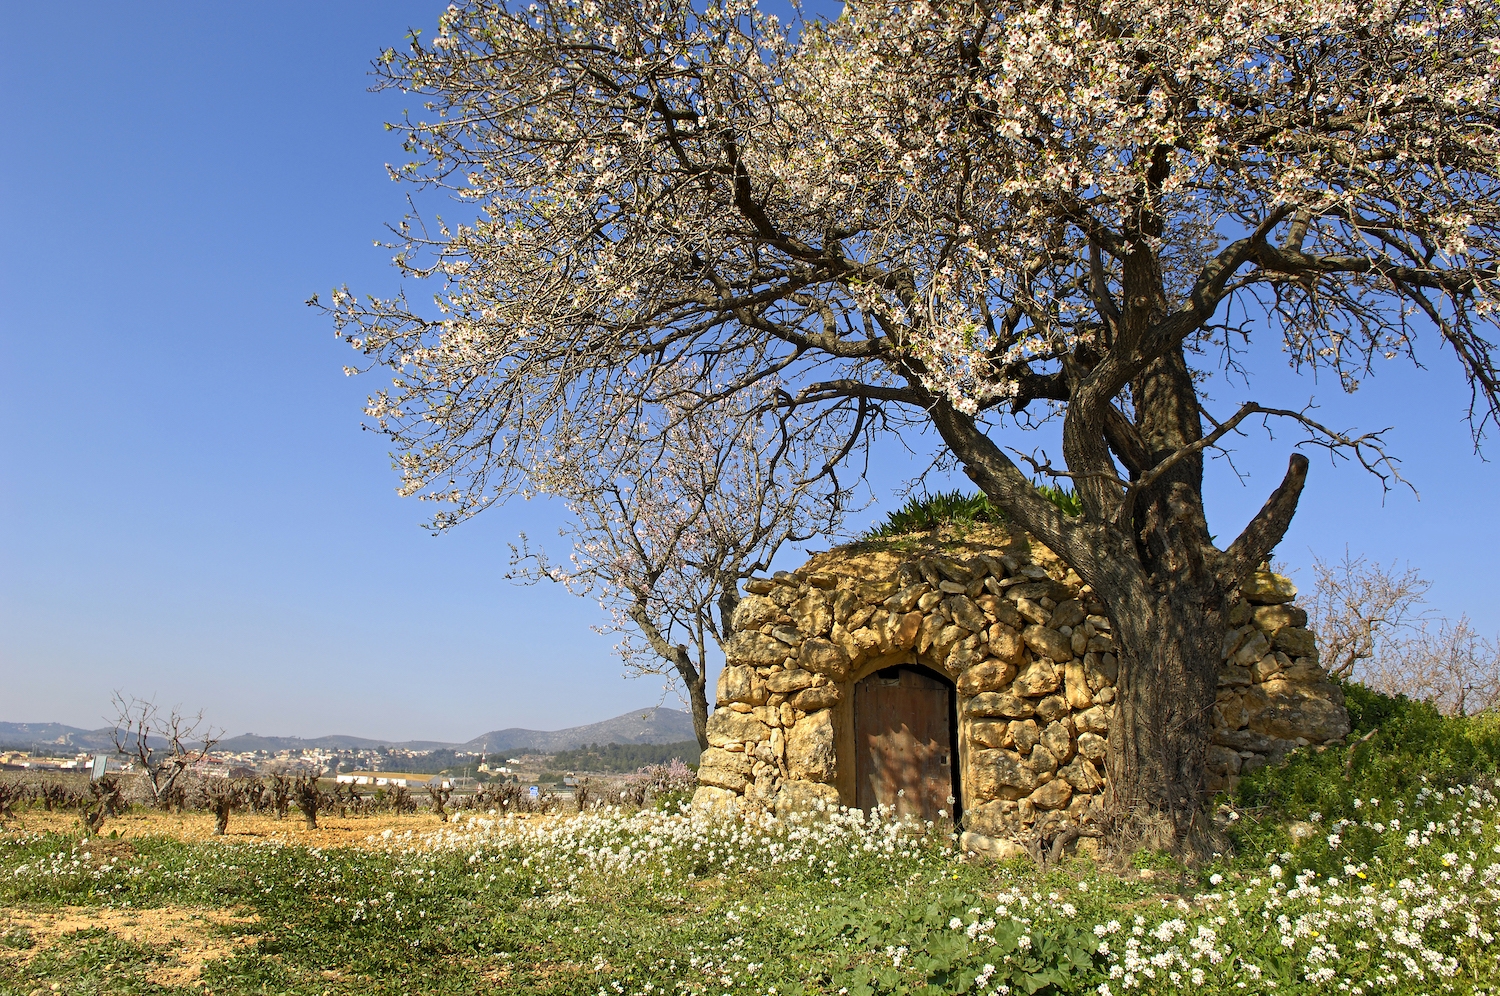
(664, 532)
(163, 746)
(1356, 606)
(1043, 468)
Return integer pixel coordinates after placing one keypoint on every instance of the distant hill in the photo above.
(25, 736)
(643, 726)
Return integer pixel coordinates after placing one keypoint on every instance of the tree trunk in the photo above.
(694, 679)
(698, 699)
(1166, 589)
(305, 795)
(1168, 648)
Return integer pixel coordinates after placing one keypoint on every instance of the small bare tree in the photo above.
(1372, 626)
(257, 796)
(402, 802)
(220, 796)
(1443, 662)
(11, 792)
(51, 794)
(280, 791)
(697, 498)
(439, 794)
(108, 800)
(1357, 605)
(163, 746)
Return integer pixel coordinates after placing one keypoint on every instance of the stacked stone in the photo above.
(1273, 694)
(1030, 651)
(771, 739)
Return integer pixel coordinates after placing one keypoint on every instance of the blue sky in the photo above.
(188, 506)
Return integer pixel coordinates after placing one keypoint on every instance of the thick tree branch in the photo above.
(1145, 480)
(674, 654)
(1269, 525)
(1126, 442)
(999, 478)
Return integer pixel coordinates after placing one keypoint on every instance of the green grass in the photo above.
(1410, 748)
(1406, 837)
(925, 513)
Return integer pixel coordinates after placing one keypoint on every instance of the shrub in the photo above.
(1066, 499)
(1395, 750)
(928, 512)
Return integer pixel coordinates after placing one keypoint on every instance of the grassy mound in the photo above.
(1397, 750)
(924, 513)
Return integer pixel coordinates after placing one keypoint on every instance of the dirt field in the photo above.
(243, 827)
(188, 934)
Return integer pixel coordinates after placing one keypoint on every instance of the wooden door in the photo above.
(903, 743)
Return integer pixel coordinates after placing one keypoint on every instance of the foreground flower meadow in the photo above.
(1401, 899)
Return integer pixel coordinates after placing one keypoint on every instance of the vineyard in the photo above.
(310, 798)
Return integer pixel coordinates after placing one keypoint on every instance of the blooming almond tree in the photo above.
(960, 213)
(686, 504)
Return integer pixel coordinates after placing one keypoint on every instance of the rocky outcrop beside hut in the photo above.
(1030, 655)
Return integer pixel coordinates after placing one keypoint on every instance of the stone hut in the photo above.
(971, 676)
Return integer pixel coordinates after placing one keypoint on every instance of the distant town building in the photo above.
(383, 778)
(23, 759)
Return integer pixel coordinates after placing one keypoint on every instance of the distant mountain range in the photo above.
(643, 726)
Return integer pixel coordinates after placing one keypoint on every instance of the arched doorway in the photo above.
(906, 742)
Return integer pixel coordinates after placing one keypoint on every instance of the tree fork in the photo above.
(1168, 593)
(694, 679)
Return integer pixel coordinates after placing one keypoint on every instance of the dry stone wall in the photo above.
(1031, 654)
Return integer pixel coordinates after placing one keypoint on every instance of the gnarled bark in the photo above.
(1168, 650)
